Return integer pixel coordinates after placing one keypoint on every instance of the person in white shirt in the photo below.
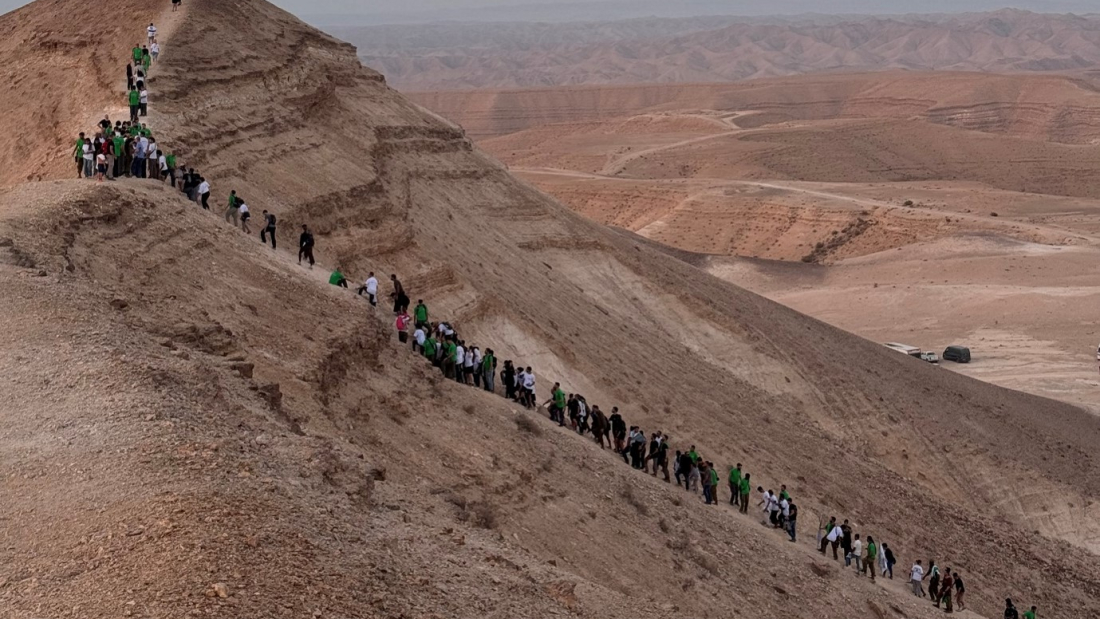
(529, 387)
(100, 167)
(243, 210)
(370, 288)
(468, 366)
(419, 337)
(204, 193)
(784, 512)
(856, 554)
(151, 31)
(460, 362)
(477, 367)
(89, 158)
(154, 50)
(143, 102)
(916, 575)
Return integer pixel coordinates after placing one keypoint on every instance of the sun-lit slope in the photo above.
(293, 124)
(69, 72)
(1048, 107)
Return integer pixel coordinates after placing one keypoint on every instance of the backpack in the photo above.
(271, 219)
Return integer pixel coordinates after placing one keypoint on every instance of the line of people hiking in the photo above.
(129, 148)
(441, 345)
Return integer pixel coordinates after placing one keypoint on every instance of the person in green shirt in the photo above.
(735, 484)
(450, 353)
(135, 104)
(420, 314)
(337, 279)
(78, 155)
(1030, 614)
(145, 59)
(746, 490)
(783, 494)
(872, 554)
(429, 348)
(713, 482)
(136, 54)
(170, 161)
(557, 398)
(694, 455)
(488, 369)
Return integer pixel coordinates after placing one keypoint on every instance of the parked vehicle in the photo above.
(905, 349)
(961, 354)
(930, 357)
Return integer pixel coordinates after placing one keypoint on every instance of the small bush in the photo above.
(528, 425)
(469, 408)
(907, 203)
(627, 492)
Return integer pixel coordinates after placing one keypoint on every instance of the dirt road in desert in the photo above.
(1007, 273)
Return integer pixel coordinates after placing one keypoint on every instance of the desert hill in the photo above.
(188, 408)
(499, 56)
(958, 199)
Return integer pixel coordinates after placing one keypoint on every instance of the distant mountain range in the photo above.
(718, 49)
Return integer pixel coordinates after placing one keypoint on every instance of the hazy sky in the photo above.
(380, 11)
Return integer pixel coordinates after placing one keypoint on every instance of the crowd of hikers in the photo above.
(129, 148)
(443, 347)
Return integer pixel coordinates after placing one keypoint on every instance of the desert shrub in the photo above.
(528, 425)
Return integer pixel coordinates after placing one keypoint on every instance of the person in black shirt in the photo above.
(305, 246)
(268, 229)
(618, 428)
(1010, 610)
(685, 469)
(888, 556)
(960, 591)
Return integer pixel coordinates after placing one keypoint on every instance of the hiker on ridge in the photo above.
(916, 576)
(305, 246)
(268, 229)
(488, 369)
(337, 278)
(735, 483)
(1010, 610)
(245, 215)
(947, 590)
(231, 213)
(400, 299)
(792, 519)
(370, 288)
(151, 32)
(420, 314)
(78, 155)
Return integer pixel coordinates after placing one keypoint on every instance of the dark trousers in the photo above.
(307, 253)
(268, 231)
(744, 503)
(134, 112)
(138, 169)
(144, 109)
(735, 492)
(205, 197)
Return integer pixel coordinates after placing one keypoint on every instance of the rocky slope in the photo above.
(197, 425)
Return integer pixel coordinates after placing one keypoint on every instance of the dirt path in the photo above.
(616, 166)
